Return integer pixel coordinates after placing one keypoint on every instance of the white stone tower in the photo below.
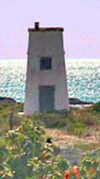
(46, 84)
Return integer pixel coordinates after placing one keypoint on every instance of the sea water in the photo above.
(83, 76)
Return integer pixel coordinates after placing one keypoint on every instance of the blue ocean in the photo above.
(83, 76)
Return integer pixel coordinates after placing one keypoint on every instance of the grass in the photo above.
(78, 122)
(6, 110)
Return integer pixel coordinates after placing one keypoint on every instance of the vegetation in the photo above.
(27, 152)
(76, 122)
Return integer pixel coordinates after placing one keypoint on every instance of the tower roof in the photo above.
(37, 28)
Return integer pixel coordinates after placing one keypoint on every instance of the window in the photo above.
(45, 63)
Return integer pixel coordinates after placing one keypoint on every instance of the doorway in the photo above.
(46, 98)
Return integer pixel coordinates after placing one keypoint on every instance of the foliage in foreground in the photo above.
(26, 154)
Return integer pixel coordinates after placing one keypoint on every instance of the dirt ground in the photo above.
(62, 138)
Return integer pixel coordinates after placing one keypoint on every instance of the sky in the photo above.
(80, 19)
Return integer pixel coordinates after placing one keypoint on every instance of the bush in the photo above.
(96, 107)
(27, 154)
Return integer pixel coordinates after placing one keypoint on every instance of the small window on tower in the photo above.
(45, 63)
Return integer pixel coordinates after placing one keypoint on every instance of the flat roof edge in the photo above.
(46, 29)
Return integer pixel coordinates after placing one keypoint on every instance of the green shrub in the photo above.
(96, 107)
(27, 154)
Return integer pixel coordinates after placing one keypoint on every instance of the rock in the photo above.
(77, 101)
(7, 100)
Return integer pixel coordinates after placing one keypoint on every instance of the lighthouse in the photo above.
(46, 82)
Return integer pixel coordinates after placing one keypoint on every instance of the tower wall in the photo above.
(45, 43)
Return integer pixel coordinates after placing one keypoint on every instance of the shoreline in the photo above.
(80, 106)
(73, 102)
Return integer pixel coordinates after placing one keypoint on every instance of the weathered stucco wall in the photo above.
(45, 44)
